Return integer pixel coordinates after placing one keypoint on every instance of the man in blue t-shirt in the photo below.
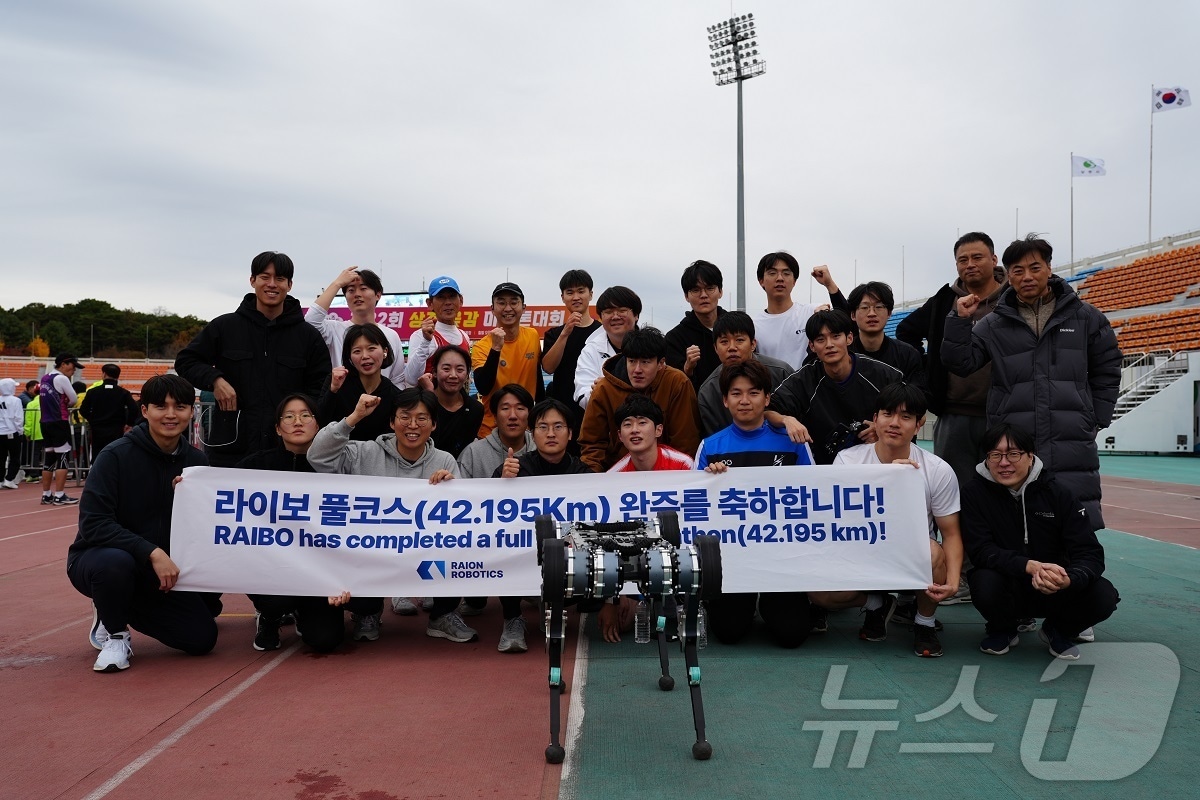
(751, 442)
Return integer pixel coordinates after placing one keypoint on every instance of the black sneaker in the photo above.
(47, 500)
(818, 619)
(906, 615)
(287, 619)
(925, 642)
(267, 635)
(63, 500)
(874, 627)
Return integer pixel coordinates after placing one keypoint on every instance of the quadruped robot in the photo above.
(592, 560)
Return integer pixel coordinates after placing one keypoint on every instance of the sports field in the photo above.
(413, 717)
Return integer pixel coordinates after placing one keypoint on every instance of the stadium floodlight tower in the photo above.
(733, 48)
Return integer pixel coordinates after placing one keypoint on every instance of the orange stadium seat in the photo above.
(1145, 282)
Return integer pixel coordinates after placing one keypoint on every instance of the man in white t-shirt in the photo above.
(780, 327)
(900, 413)
(438, 329)
(362, 289)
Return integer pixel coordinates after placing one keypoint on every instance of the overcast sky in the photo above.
(150, 149)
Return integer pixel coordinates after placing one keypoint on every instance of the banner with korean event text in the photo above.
(475, 321)
(781, 528)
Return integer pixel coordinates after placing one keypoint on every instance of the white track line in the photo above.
(183, 730)
(34, 533)
(1148, 511)
(22, 642)
(570, 739)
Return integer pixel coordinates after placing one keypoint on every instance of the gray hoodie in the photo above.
(1019, 492)
(333, 452)
(482, 456)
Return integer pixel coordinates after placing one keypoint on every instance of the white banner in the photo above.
(781, 528)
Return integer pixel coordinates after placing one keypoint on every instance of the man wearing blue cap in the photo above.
(438, 329)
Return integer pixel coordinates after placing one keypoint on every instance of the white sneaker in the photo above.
(115, 655)
(8, 484)
(99, 634)
(1087, 635)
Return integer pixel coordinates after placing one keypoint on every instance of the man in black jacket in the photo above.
(958, 402)
(251, 359)
(690, 343)
(550, 421)
(830, 402)
(1056, 366)
(109, 409)
(121, 554)
(1034, 551)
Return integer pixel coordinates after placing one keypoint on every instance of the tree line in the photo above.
(94, 329)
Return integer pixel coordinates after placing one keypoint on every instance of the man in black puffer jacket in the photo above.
(251, 359)
(121, 556)
(1056, 366)
(1034, 551)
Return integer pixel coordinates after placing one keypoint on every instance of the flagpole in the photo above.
(1150, 196)
(1072, 213)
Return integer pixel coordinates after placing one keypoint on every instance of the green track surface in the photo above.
(635, 740)
(1169, 469)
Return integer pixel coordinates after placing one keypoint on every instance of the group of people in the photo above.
(1020, 371)
(50, 412)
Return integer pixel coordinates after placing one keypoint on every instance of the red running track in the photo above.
(405, 717)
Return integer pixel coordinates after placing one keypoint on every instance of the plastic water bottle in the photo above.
(641, 622)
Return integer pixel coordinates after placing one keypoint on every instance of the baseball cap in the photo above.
(509, 287)
(441, 284)
(66, 358)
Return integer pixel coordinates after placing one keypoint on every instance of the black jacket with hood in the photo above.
(691, 331)
(1003, 530)
(1060, 386)
(129, 494)
(264, 360)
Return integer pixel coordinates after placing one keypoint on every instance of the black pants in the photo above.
(1003, 600)
(10, 455)
(786, 614)
(102, 436)
(322, 626)
(126, 594)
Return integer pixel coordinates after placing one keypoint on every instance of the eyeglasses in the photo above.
(557, 427)
(867, 309)
(612, 312)
(514, 302)
(419, 419)
(703, 289)
(1013, 456)
(303, 418)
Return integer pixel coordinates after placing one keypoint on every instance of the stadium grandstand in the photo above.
(1151, 295)
(133, 373)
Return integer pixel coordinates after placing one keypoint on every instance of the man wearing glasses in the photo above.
(551, 420)
(253, 358)
(619, 308)
(690, 343)
(1034, 550)
(510, 353)
(407, 452)
(871, 306)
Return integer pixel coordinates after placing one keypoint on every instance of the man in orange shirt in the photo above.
(510, 353)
